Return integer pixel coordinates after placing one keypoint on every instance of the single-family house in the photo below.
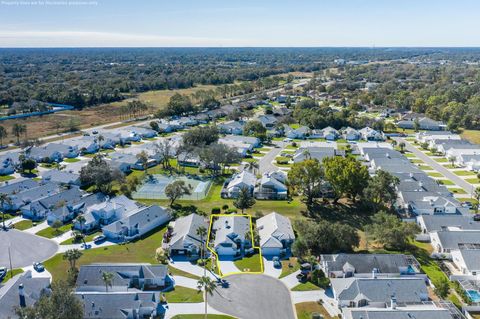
(376, 292)
(166, 128)
(184, 240)
(126, 277)
(23, 290)
(268, 121)
(137, 223)
(301, 132)
(144, 132)
(8, 163)
(85, 144)
(318, 153)
(238, 182)
(108, 140)
(424, 123)
(250, 140)
(42, 207)
(466, 261)
(425, 311)
(276, 235)
(269, 187)
(351, 134)
(52, 152)
(447, 241)
(230, 236)
(330, 134)
(67, 212)
(24, 196)
(231, 127)
(363, 265)
(469, 161)
(434, 223)
(14, 187)
(369, 134)
(61, 177)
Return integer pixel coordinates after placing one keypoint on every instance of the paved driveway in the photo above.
(437, 166)
(25, 248)
(265, 163)
(253, 297)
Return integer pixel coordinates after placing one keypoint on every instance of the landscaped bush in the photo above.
(216, 210)
(318, 278)
(225, 207)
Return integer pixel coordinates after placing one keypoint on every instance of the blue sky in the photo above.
(165, 23)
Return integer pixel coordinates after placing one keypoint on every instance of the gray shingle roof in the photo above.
(17, 187)
(273, 228)
(375, 313)
(438, 222)
(185, 231)
(365, 263)
(451, 239)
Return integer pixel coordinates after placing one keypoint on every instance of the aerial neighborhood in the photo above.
(322, 186)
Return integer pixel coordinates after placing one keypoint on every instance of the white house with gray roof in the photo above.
(424, 311)
(61, 177)
(51, 152)
(376, 292)
(276, 234)
(230, 235)
(467, 261)
(238, 182)
(447, 241)
(271, 186)
(184, 240)
(434, 223)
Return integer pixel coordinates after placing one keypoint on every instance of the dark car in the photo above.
(276, 262)
(3, 272)
(302, 277)
(38, 267)
(476, 217)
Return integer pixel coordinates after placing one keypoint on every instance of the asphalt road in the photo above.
(253, 297)
(25, 248)
(437, 166)
(265, 163)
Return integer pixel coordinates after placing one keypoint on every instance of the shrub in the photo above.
(259, 214)
(294, 144)
(318, 278)
(225, 207)
(216, 210)
(231, 211)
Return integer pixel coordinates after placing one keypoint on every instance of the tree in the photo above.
(452, 159)
(143, 158)
(209, 287)
(107, 278)
(72, 255)
(300, 248)
(402, 147)
(200, 136)
(28, 164)
(56, 226)
(177, 105)
(60, 304)
(161, 256)
(81, 220)
(256, 129)
(4, 199)
(442, 288)
(416, 124)
(306, 178)
(476, 195)
(389, 231)
(381, 190)
(244, 200)
(202, 233)
(346, 176)
(3, 135)
(176, 190)
(99, 173)
(164, 151)
(19, 129)
(154, 125)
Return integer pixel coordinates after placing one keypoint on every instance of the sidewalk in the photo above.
(37, 228)
(291, 280)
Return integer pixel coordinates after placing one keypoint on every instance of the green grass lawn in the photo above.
(471, 200)
(264, 149)
(445, 182)
(305, 310)
(139, 251)
(425, 168)
(5, 178)
(177, 272)
(286, 270)
(434, 174)
(49, 232)
(71, 160)
(87, 239)
(409, 154)
(199, 316)
(465, 173)
(249, 264)
(24, 224)
(183, 294)
(473, 180)
(12, 273)
(416, 161)
(249, 160)
(441, 160)
(291, 147)
(305, 287)
(457, 190)
(450, 166)
(471, 135)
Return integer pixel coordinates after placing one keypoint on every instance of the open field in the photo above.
(41, 126)
(471, 135)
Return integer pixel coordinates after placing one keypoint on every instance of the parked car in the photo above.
(3, 272)
(94, 132)
(276, 262)
(99, 239)
(467, 204)
(302, 277)
(38, 267)
(287, 140)
(476, 217)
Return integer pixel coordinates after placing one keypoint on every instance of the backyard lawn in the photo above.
(183, 294)
(140, 251)
(49, 232)
(24, 224)
(472, 135)
(305, 310)
(250, 264)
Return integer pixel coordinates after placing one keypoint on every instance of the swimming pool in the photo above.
(474, 295)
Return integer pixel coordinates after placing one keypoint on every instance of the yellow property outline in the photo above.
(253, 245)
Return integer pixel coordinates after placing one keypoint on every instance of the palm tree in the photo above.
(18, 129)
(208, 286)
(3, 134)
(107, 278)
(4, 199)
(476, 195)
(100, 139)
(312, 260)
(452, 160)
(72, 255)
(402, 146)
(202, 233)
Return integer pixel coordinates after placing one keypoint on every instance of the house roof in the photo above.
(245, 178)
(273, 228)
(314, 152)
(438, 222)
(398, 313)
(244, 139)
(404, 289)
(57, 200)
(471, 258)
(90, 276)
(63, 177)
(35, 193)
(229, 228)
(366, 263)
(18, 186)
(141, 217)
(9, 293)
(454, 240)
(185, 231)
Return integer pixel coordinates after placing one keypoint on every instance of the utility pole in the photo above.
(10, 258)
